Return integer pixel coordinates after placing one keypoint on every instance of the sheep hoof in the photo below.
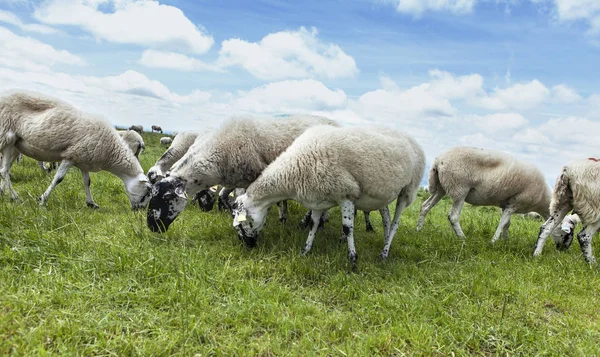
(304, 252)
(384, 254)
(353, 257)
(92, 205)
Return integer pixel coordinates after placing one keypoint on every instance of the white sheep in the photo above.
(233, 156)
(577, 189)
(156, 128)
(48, 129)
(484, 177)
(363, 168)
(133, 140)
(137, 128)
(165, 140)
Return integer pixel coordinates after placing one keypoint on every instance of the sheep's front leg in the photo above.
(9, 155)
(348, 230)
(368, 225)
(549, 226)
(316, 216)
(224, 199)
(282, 205)
(504, 224)
(585, 241)
(58, 177)
(401, 203)
(89, 201)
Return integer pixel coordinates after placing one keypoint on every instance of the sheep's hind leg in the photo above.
(9, 155)
(385, 219)
(306, 220)
(89, 201)
(58, 177)
(348, 230)
(504, 224)
(549, 226)
(401, 203)
(585, 241)
(282, 205)
(454, 216)
(315, 215)
(368, 225)
(427, 206)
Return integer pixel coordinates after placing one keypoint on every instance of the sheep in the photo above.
(157, 128)
(133, 140)
(165, 140)
(137, 128)
(363, 168)
(48, 129)
(233, 156)
(485, 177)
(577, 189)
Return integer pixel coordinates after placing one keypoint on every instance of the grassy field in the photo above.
(75, 281)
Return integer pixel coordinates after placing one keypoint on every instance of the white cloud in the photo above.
(288, 54)
(176, 61)
(495, 124)
(519, 96)
(291, 96)
(418, 7)
(31, 54)
(12, 19)
(565, 94)
(141, 22)
(531, 136)
(586, 10)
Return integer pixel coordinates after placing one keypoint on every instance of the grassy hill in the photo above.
(76, 281)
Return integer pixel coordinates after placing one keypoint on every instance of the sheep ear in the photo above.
(242, 217)
(180, 191)
(213, 189)
(144, 179)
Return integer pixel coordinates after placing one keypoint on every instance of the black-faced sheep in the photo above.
(48, 129)
(234, 156)
(362, 168)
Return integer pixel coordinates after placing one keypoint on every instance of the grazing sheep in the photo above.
(484, 177)
(362, 168)
(234, 156)
(137, 128)
(133, 140)
(156, 128)
(577, 189)
(166, 140)
(48, 129)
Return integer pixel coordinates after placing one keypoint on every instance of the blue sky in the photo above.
(515, 75)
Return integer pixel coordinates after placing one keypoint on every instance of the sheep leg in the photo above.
(549, 226)
(385, 219)
(282, 205)
(427, 206)
(368, 225)
(504, 224)
(348, 230)
(58, 177)
(315, 215)
(306, 220)
(585, 241)
(89, 201)
(453, 217)
(9, 155)
(401, 203)
(43, 167)
(224, 199)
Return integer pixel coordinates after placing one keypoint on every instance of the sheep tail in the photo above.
(434, 179)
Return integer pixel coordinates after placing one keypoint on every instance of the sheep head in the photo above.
(167, 202)
(248, 219)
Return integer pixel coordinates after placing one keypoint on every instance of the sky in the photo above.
(519, 76)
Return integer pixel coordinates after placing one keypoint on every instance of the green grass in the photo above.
(75, 281)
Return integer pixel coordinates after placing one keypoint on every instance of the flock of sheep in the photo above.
(309, 159)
